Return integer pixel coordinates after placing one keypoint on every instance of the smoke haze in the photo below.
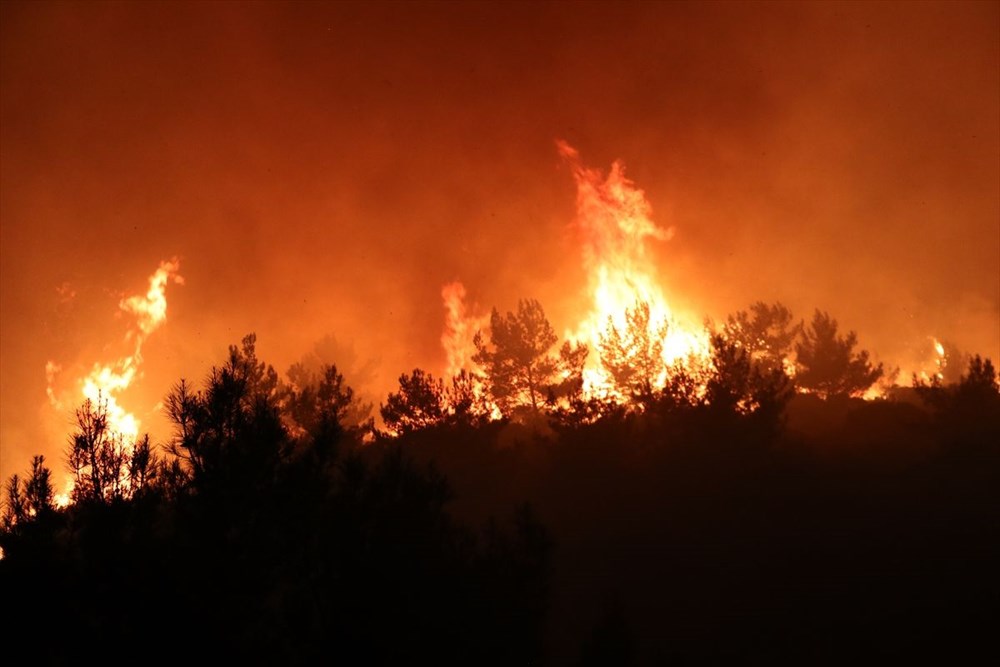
(326, 169)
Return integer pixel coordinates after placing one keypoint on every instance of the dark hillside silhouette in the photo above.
(271, 537)
(729, 520)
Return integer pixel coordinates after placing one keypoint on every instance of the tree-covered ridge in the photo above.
(279, 523)
(264, 526)
(757, 359)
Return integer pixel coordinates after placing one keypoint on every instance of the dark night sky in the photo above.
(326, 168)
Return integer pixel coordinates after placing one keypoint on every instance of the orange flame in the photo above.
(151, 310)
(932, 364)
(105, 382)
(615, 220)
(939, 361)
(64, 498)
(459, 330)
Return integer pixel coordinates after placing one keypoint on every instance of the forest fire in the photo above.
(594, 333)
(939, 361)
(614, 219)
(628, 314)
(105, 382)
(631, 339)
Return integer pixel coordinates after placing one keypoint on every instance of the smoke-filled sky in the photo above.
(324, 169)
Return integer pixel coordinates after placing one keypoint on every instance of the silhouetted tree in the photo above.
(516, 359)
(567, 389)
(978, 383)
(419, 403)
(260, 381)
(278, 554)
(38, 491)
(105, 466)
(766, 332)
(325, 391)
(828, 364)
(28, 499)
(358, 372)
(15, 508)
(96, 455)
(684, 387)
(966, 413)
(270, 544)
(464, 400)
(234, 427)
(316, 401)
(738, 386)
(729, 385)
(981, 379)
(634, 356)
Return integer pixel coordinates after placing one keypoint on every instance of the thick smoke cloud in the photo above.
(328, 168)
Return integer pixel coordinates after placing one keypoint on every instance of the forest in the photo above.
(759, 505)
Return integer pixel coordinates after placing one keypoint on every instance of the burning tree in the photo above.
(464, 399)
(615, 222)
(634, 356)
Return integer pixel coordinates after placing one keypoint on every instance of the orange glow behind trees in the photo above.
(327, 167)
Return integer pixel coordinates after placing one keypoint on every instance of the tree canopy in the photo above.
(515, 356)
(766, 332)
(634, 356)
(419, 403)
(828, 364)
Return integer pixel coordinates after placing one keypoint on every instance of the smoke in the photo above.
(327, 168)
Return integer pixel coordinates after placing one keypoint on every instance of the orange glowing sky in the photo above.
(326, 169)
